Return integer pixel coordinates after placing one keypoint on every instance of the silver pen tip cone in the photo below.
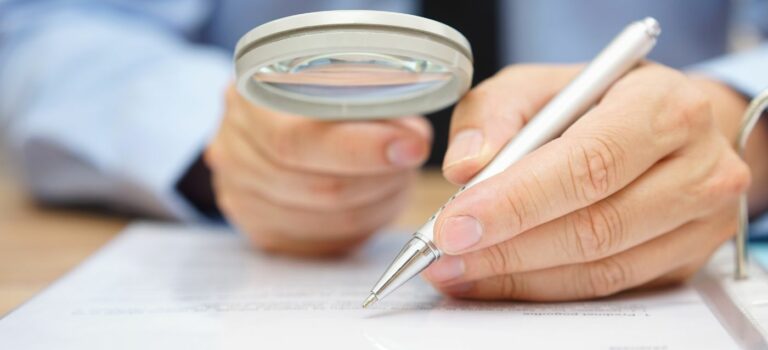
(370, 300)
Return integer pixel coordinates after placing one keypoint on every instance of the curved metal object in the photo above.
(756, 108)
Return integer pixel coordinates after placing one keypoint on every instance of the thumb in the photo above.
(495, 111)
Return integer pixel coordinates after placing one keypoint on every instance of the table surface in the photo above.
(39, 244)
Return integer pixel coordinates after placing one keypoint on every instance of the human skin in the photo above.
(298, 185)
(638, 192)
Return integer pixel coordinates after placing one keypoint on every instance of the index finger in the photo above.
(605, 150)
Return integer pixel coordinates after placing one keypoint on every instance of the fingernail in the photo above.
(404, 153)
(446, 269)
(458, 288)
(459, 233)
(465, 145)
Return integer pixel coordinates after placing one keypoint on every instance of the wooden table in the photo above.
(38, 245)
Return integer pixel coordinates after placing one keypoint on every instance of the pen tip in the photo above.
(370, 300)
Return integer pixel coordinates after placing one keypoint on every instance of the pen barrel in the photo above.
(621, 54)
(616, 59)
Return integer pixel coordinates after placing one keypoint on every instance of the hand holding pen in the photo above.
(639, 191)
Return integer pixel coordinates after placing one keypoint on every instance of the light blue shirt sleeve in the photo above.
(91, 91)
(746, 72)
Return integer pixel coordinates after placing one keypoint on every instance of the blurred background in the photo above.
(109, 103)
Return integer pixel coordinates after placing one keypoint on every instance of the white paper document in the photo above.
(175, 287)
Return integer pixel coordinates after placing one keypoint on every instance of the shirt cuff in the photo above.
(746, 72)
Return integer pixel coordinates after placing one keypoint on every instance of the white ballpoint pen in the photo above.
(620, 56)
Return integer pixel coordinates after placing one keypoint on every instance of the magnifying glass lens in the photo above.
(353, 76)
(353, 65)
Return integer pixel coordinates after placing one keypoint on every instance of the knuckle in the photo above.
(687, 111)
(738, 176)
(502, 259)
(566, 244)
(693, 108)
(730, 178)
(330, 191)
(596, 231)
(518, 215)
(512, 286)
(594, 168)
(607, 277)
(495, 260)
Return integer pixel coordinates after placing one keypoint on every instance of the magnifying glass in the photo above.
(353, 65)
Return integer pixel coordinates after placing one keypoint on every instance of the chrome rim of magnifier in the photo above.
(353, 64)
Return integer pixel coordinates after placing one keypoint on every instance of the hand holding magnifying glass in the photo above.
(320, 145)
(306, 186)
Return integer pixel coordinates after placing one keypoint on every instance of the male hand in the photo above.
(638, 192)
(299, 185)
